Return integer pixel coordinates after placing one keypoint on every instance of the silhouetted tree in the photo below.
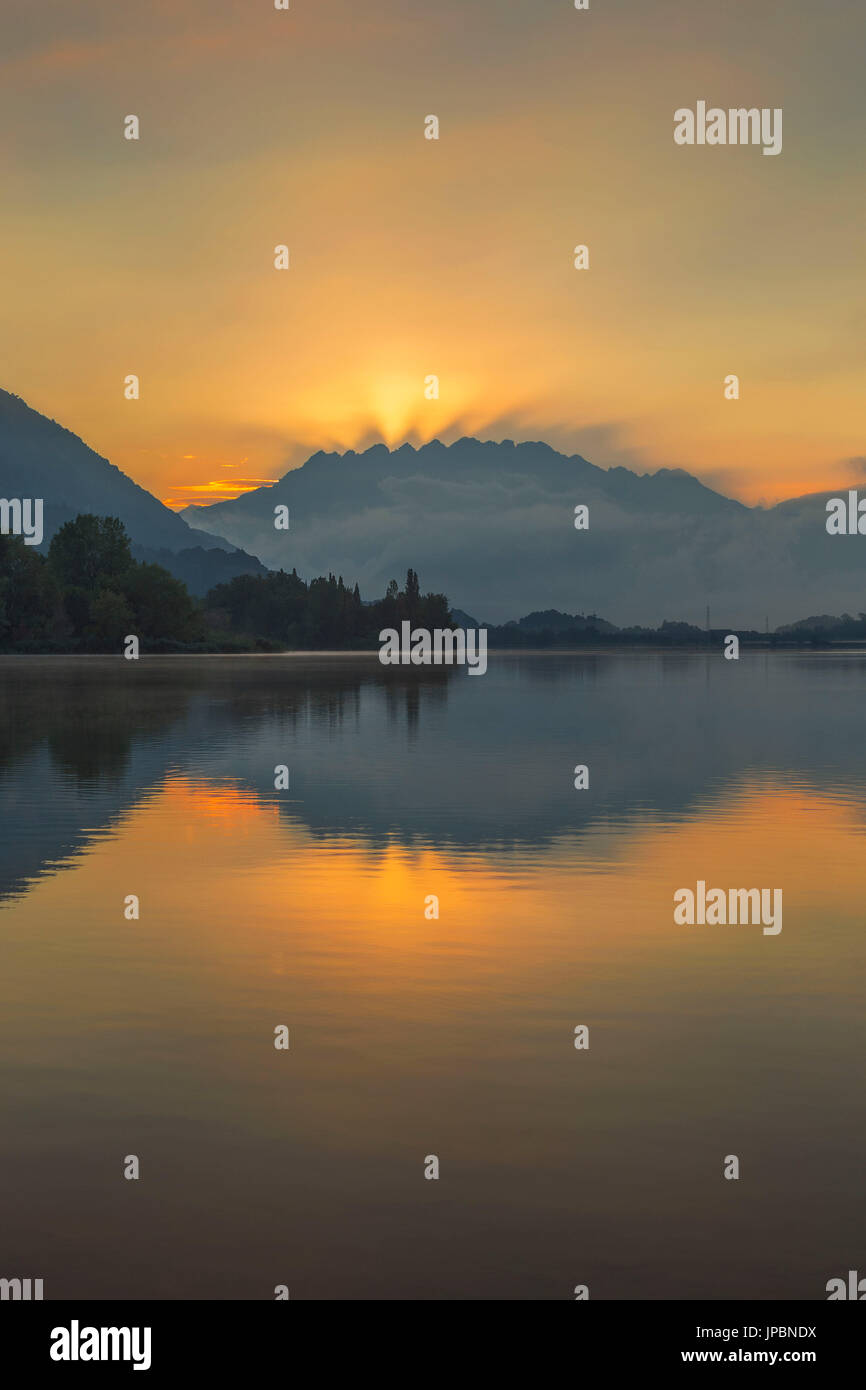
(89, 550)
(281, 608)
(160, 604)
(29, 596)
(110, 619)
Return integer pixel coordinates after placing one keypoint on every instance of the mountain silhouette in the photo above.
(489, 524)
(39, 458)
(492, 526)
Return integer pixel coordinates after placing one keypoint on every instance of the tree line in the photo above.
(88, 593)
(282, 609)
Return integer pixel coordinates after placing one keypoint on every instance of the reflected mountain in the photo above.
(414, 757)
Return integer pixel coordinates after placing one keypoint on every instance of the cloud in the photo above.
(218, 490)
(493, 529)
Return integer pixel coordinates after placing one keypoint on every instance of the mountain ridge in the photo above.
(489, 523)
(39, 457)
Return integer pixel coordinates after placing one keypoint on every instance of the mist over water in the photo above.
(411, 1036)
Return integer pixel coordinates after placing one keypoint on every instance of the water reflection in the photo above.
(413, 1035)
(415, 756)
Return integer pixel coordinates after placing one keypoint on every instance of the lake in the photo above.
(412, 1035)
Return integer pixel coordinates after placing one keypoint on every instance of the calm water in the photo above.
(410, 1036)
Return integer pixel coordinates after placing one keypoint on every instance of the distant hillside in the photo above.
(39, 458)
(552, 621)
(566, 631)
(492, 525)
(201, 569)
(845, 628)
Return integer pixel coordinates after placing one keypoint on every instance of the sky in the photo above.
(412, 257)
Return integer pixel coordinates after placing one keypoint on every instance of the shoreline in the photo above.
(588, 649)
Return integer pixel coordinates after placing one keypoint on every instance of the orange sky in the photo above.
(412, 257)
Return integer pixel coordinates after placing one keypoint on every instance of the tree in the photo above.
(282, 608)
(29, 596)
(413, 595)
(90, 551)
(110, 618)
(160, 604)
